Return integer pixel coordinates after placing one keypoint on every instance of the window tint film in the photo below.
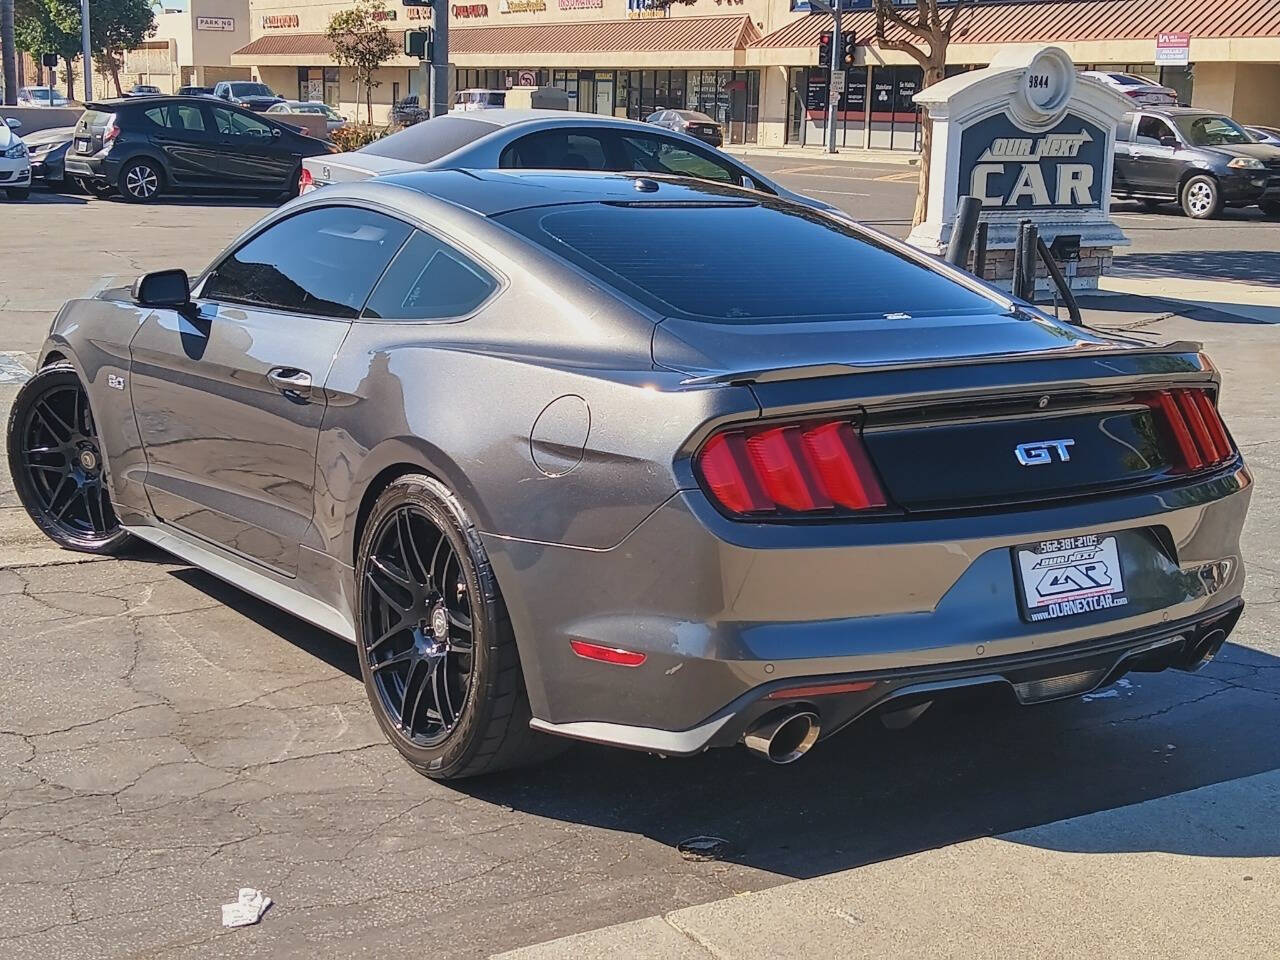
(659, 155)
(322, 262)
(557, 150)
(744, 262)
(429, 280)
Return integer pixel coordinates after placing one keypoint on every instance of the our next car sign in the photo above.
(1008, 168)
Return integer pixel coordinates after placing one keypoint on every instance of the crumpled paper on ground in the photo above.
(247, 910)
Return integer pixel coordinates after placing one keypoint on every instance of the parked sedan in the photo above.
(48, 149)
(333, 119)
(1141, 91)
(690, 122)
(540, 140)
(195, 91)
(1270, 135)
(143, 90)
(1204, 161)
(15, 164)
(145, 147)
(592, 455)
(41, 97)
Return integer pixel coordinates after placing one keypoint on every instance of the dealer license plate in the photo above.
(84, 146)
(1074, 575)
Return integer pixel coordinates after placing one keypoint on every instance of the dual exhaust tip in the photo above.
(784, 738)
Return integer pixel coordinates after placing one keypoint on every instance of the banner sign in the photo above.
(1173, 49)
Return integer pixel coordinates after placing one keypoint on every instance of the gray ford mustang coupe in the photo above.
(619, 458)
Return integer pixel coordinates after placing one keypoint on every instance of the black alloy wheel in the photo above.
(56, 462)
(436, 649)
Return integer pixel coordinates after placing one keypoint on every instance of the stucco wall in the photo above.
(1248, 92)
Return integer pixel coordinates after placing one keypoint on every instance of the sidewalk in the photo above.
(1189, 874)
(1199, 298)
(903, 158)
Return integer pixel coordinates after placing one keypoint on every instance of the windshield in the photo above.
(45, 95)
(251, 90)
(1211, 131)
(706, 261)
(695, 116)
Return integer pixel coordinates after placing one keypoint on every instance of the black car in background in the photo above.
(143, 148)
(1202, 160)
(195, 91)
(251, 95)
(48, 152)
(689, 122)
(407, 112)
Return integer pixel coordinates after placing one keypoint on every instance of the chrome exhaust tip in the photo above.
(784, 739)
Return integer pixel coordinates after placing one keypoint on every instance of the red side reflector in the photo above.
(820, 690)
(594, 651)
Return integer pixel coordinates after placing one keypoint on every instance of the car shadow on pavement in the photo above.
(974, 766)
(1149, 309)
(1241, 266)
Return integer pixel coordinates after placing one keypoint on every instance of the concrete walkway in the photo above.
(1190, 874)
(1201, 298)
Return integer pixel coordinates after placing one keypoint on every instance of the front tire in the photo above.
(141, 181)
(56, 463)
(1201, 198)
(1270, 207)
(18, 193)
(437, 651)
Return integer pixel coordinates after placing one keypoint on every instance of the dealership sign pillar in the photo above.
(1033, 141)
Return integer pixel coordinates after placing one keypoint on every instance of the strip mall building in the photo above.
(752, 64)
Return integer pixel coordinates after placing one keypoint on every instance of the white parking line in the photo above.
(841, 193)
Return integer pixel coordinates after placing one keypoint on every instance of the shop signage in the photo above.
(521, 6)
(280, 21)
(1006, 168)
(383, 15)
(645, 10)
(226, 24)
(815, 94)
(461, 11)
(581, 4)
(1173, 49)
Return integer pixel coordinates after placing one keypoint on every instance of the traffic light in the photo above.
(850, 41)
(824, 49)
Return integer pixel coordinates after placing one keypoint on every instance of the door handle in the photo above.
(292, 382)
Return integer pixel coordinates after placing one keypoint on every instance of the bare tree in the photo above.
(924, 35)
(8, 53)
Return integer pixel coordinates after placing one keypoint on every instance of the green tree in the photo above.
(923, 33)
(48, 26)
(362, 43)
(116, 26)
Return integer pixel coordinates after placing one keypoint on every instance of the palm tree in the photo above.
(8, 53)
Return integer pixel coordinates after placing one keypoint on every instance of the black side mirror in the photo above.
(1168, 140)
(163, 288)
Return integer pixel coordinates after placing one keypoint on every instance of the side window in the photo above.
(1151, 129)
(1124, 129)
(557, 150)
(157, 115)
(189, 118)
(322, 262)
(659, 155)
(235, 124)
(429, 280)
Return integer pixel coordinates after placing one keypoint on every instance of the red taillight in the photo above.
(305, 181)
(110, 134)
(1197, 430)
(797, 468)
(594, 651)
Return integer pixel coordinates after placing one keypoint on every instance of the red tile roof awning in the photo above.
(683, 34)
(677, 35)
(288, 45)
(1065, 21)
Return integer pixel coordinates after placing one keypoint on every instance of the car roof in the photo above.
(507, 117)
(492, 192)
(1173, 111)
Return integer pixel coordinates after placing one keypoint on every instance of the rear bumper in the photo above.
(727, 612)
(96, 167)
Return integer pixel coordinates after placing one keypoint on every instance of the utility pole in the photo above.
(440, 61)
(8, 53)
(87, 49)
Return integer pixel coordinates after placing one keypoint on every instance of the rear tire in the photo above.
(141, 181)
(56, 463)
(1201, 198)
(437, 651)
(1270, 207)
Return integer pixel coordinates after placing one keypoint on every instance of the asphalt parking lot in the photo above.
(165, 739)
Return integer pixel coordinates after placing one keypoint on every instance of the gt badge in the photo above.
(1033, 454)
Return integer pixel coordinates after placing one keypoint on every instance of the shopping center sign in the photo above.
(1031, 139)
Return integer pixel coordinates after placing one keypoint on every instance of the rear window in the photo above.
(430, 140)
(744, 262)
(95, 118)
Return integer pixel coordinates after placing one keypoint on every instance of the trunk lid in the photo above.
(355, 165)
